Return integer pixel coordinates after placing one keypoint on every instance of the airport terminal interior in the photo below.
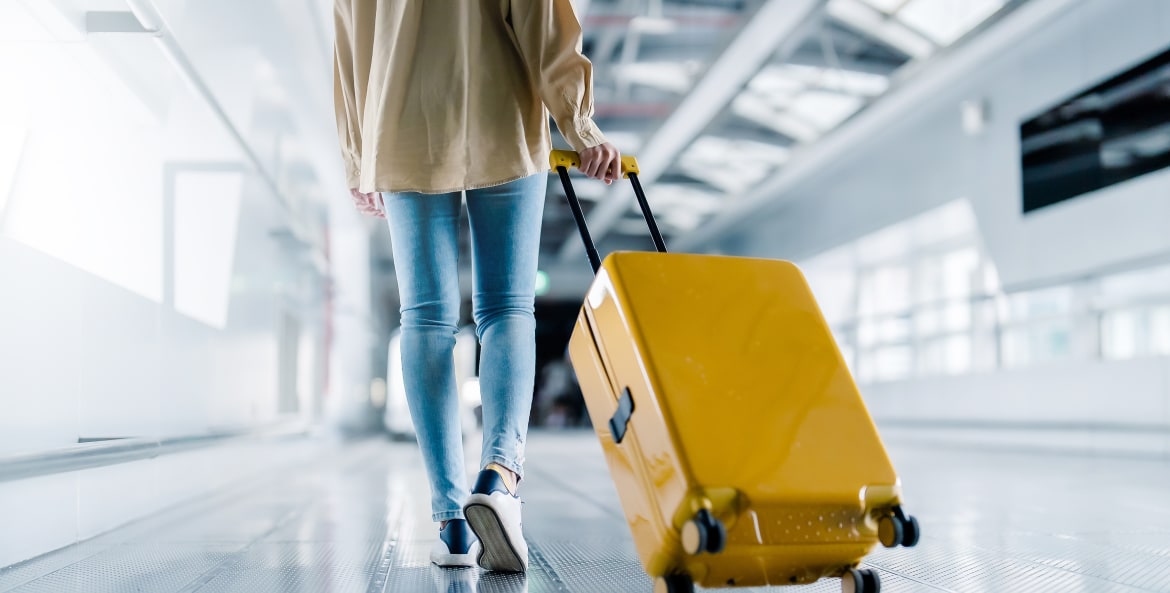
(201, 351)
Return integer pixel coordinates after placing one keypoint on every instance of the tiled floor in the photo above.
(357, 521)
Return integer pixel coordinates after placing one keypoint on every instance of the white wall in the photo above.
(117, 319)
(923, 158)
(149, 285)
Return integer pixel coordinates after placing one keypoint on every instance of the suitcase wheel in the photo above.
(674, 583)
(864, 580)
(910, 533)
(898, 529)
(891, 531)
(704, 533)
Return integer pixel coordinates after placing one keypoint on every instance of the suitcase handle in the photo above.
(561, 160)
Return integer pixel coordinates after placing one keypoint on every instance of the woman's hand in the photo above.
(602, 162)
(370, 203)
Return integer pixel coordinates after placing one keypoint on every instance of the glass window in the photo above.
(1038, 304)
(927, 321)
(1134, 332)
(957, 316)
(207, 209)
(885, 364)
(1159, 327)
(1121, 334)
(1037, 343)
(921, 297)
(884, 290)
(1153, 283)
(946, 355)
(892, 242)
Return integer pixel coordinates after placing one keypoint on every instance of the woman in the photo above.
(436, 98)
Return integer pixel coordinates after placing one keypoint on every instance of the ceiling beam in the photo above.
(774, 24)
(946, 70)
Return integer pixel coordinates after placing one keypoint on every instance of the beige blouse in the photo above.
(436, 96)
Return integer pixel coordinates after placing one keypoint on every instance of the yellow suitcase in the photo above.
(740, 447)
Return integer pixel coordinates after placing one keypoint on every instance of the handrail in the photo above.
(99, 454)
(1092, 310)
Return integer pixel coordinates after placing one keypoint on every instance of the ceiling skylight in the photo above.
(675, 77)
(824, 109)
(944, 21)
(870, 21)
(803, 102)
(886, 6)
(833, 79)
(941, 21)
(682, 207)
(729, 165)
(757, 109)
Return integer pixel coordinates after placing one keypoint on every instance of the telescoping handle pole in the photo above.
(563, 160)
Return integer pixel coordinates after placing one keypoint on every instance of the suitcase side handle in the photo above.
(620, 421)
(562, 160)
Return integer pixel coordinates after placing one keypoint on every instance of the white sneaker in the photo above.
(457, 546)
(494, 514)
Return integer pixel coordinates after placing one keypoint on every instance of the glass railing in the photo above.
(986, 332)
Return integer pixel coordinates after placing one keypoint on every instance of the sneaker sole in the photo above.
(454, 560)
(496, 551)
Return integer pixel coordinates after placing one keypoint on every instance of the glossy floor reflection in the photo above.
(356, 521)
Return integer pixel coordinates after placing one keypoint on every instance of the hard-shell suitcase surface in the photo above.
(738, 441)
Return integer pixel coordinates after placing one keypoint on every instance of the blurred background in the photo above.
(977, 190)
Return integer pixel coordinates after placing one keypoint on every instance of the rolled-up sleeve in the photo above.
(550, 41)
(348, 88)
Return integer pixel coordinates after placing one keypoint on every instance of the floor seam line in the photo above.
(105, 548)
(381, 578)
(546, 566)
(236, 558)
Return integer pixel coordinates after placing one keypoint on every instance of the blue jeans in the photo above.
(505, 240)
